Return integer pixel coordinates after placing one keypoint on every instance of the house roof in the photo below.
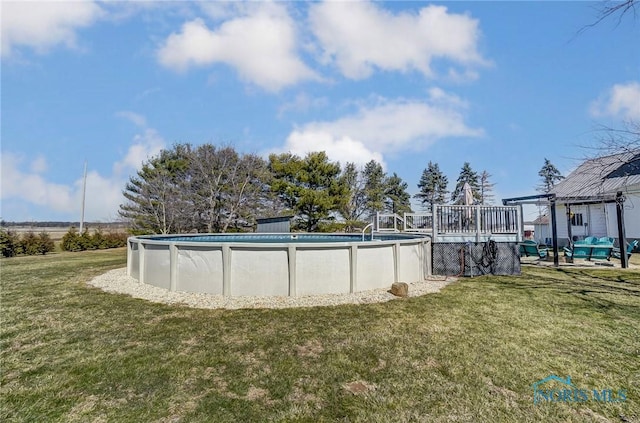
(601, 177)
(541, 220)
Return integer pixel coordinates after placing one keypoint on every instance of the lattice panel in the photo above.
(475, 259)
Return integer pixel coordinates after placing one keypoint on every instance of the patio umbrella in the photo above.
(467, 197)
(467, 194)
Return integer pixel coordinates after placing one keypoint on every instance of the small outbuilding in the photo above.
(542, 229)
(280, 224)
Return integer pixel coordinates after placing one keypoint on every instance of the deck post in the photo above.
(554, 230)
(569, 229)
(478, 229)
(520, 223)
(622, 237)
(434, 220)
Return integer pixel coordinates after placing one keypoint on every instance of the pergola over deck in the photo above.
(551, 200)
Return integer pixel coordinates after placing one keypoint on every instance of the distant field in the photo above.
(56, 233)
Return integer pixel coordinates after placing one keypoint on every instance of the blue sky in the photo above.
(501, 85)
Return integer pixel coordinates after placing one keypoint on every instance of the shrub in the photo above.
(330, 226)
(98, 240)
(45, 243)
(9, 243)
(32, 244)
(71, 241)
(116, 239)
(29, 243)
(86, 242)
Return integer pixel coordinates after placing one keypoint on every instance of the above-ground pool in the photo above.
(289, 264)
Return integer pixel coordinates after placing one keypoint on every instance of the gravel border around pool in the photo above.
(118, 281)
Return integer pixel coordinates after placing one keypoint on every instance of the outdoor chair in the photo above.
(578, 251)
(590, 240)
(531, 248)
(616, 251)
(602, 250)
(606, 239)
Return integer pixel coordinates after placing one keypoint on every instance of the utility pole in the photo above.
(84, 192)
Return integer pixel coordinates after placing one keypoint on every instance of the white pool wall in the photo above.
(277, 269)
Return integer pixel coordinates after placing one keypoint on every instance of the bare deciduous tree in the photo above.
(615, 149)
(486, 188)
(354, 208)
(206, 189)
(608, 9)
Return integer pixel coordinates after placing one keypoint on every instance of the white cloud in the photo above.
(361, 36)
(218, 10)
(622, 101)
(385, 127)
(343, 149)
(260, 45)
(39, 165)
(103, 198)
(31, 186)
(134, 118)
(43, 25)
(103, 194)
(145, 145)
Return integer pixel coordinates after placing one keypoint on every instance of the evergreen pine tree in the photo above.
(433, 186)
(466, 175)
(374, 187)
(397, 199)
(549, 176)
(310, 186)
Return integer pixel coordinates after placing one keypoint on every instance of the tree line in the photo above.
(216, 189)
(210, 188)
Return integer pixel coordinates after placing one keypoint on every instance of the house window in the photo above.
(576, 219)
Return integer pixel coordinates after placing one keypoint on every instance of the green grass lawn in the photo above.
(470, 353)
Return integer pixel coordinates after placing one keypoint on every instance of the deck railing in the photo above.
(448, 220)
(486, 219)
(389, 222)
(418, 222)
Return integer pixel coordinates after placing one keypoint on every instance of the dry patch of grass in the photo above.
(470, 353)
